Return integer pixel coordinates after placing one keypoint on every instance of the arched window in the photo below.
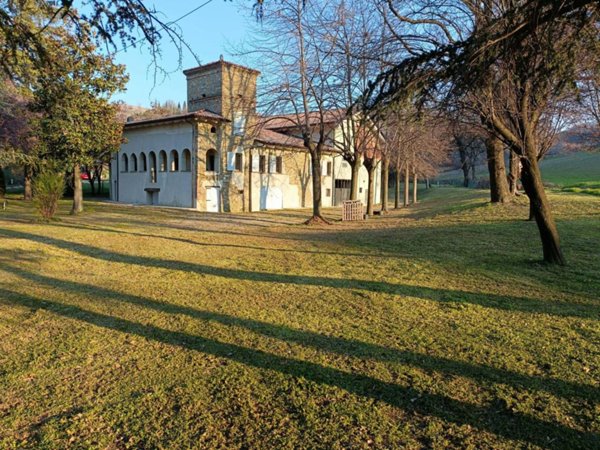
(186, 160)
(211, 160)
(133, 163)
(143, 163)
(162, 161)
(174, 160)
(152, 157)
(124, 163)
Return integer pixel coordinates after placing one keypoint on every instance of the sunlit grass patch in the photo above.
(435, 326)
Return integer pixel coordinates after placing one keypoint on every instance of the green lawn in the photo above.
(572, 172)
(433, 327)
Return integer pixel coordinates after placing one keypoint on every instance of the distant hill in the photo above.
(126, 111)
(580, 138)
(563, 169)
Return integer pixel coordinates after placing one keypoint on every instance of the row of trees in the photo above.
(508, 68)
(317, 59)
(55, 112)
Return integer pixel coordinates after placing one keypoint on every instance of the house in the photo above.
(222, 156)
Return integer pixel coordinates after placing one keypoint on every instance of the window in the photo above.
(329, 168)
(279, 164)
(211, 160)
(263, 163)
(213, 129)
(239, 123)
(328, 193)
(272, 164)
(133, 163)
(162, 156)
(174, 161)
(235, 161)
(152, 157)
(186, 157)
(143, 162)
(124, 163)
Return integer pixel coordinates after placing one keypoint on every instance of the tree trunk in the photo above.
(250, 158)
(539, 206)
(385, 178)
(406, 185)
(91, 181)
(77, 191)
(27, 190)
(355, 166)
(2, 183)
(464, 166)
(371, 189)
(499, 191)
(397, 188)
(515, 173)
(99, 179)
(315, 159)
(415, 187)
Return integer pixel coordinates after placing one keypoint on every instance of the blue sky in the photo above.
(210, 31)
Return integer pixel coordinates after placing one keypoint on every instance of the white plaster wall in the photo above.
(291, 192)
(176, 188)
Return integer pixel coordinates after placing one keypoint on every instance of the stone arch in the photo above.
(211, 160)
(124, 163)
(174, 161)
(143, 162)
(186, 160)
(152, 158)
(162, 161)
(134, 162)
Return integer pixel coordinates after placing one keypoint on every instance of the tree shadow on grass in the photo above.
(331, 344)
(210, 244)
(494, 417)
(501, 302)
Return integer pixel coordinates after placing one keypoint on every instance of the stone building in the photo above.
(222, 156)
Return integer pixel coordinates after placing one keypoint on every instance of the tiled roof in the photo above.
(283, 121)
(271, 137)
(210, 65)
(201, 114)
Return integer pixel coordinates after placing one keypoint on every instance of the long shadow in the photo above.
(509, 303)
(197, 229)
(332, 344)
(208, 244)
(495, 418)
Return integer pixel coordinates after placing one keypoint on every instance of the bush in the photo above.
(48, 188)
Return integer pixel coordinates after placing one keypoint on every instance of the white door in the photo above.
(212, 199)
(271, 198)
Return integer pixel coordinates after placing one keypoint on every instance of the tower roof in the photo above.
(212, 65)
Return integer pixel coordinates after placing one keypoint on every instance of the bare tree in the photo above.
(532, 47)
(298, 69)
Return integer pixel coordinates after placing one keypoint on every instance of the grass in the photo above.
(434, 326)
(572, 172)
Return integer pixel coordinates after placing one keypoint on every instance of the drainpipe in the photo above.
(194, 163)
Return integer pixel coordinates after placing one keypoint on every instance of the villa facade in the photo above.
(222, 156)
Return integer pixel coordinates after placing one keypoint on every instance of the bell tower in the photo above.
(224, 88)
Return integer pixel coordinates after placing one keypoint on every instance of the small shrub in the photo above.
(48, 188)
